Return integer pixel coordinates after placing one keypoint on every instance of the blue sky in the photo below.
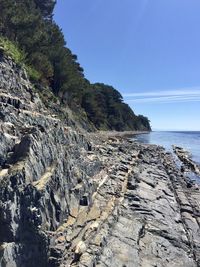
(149, 50)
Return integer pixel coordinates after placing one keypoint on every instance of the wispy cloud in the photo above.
(170, 96)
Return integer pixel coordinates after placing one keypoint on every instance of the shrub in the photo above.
(12, 50)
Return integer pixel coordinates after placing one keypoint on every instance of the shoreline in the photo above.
(105, 135)
(102, 200)
(189, 166)
(72, 198)
(122, 134)
(158, 207)
(126, 203)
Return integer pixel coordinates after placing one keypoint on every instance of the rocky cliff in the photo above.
(69, 198)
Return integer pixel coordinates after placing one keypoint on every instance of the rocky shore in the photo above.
(186, 159)
(70, 198)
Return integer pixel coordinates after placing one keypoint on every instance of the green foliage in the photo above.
(105, 108)
(30, 26)
(143, 122)
(46, 7)
(12, 50)
(33, 74)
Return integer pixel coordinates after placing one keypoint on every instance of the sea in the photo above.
(186, 139)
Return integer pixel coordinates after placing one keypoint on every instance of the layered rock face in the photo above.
(45, 173)
(68, 198)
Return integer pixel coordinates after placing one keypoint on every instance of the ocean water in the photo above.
(188, 140)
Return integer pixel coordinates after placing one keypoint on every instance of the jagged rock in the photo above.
(69, 198)
(185, 157)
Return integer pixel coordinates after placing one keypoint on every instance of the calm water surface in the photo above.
(188, 140)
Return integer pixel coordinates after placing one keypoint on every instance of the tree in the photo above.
(30, 25)
(46, 7)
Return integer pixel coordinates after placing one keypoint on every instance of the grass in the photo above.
(12, 50)
(33, 74)
(19, 57)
